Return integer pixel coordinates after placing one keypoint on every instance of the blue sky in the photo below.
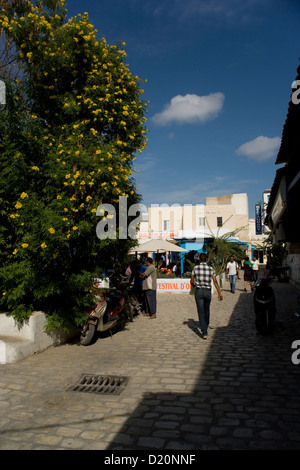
(219, 77)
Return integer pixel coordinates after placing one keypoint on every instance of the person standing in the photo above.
(247, 273)
(267, 271)
(255, 269)
(201, 278)
(137, 267)
(232, 270)
(149, 287)
(176, 269)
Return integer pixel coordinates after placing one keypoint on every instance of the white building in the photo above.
(192, 225)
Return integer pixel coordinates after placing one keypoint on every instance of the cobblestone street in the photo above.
(235, 390)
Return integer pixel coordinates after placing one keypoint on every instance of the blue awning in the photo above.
(238, 242)
(196, 246)
(192, 246)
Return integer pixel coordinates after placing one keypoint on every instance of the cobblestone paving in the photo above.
(235, 390)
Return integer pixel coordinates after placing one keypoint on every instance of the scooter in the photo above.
(264, 306)
(122, 283)
(102, 317)
(132, 304)
(112, 308)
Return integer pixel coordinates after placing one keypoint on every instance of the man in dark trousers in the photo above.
(202, 275)
(136, 268)
(149, 287)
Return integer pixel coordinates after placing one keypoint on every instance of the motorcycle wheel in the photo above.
(138, 309)
(261, 324)
(87, 336)
(135, 305)
(129, 311)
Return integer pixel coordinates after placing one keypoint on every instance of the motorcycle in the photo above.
(264, 306)
(113, 308)
(132, 304)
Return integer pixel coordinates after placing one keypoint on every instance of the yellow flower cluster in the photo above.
(109, 100)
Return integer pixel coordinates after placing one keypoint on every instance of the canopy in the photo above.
(238, 242)
(157, 246)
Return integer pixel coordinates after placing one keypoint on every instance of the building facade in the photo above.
(282, 216)
(193, 225)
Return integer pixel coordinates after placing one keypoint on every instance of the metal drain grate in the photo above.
(102, 384)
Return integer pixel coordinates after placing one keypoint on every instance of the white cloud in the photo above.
(226, 9)
(216, 10)
(191, 109)
(260, 149)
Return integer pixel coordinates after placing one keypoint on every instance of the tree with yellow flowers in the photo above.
(69, 132)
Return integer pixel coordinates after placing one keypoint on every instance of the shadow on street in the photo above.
(246, 396)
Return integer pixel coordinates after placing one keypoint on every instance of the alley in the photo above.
(236, 390)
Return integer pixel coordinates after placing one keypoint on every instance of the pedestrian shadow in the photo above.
(246, 396)
(193, 326)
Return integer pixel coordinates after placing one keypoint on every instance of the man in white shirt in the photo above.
(232, 270)
(255, 269)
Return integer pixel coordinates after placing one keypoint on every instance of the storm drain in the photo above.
(101, 384)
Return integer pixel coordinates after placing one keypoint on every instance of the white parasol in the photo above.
(157, 246)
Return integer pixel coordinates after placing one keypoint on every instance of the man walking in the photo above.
(149, 287)
(255, 269)
(233, 272)
(201, 278)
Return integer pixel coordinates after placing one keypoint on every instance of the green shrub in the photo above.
(69, 132)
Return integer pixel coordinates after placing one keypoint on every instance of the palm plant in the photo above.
(220, 249)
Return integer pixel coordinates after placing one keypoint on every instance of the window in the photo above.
(201, 221)
(219, 221)
(166, 225)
